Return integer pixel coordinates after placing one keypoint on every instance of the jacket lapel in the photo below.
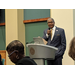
(56, 32)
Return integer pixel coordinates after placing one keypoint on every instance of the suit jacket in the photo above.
(59, 41)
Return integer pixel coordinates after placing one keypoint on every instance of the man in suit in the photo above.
(55, 36)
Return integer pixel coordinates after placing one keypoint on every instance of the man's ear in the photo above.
(17, 57)
(17, 52)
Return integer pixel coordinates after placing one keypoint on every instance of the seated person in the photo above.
(72, 49)
(0, 60)
(15, 51)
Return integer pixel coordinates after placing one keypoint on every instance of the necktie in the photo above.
(51, 33)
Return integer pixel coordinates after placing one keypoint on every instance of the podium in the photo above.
(41, 52)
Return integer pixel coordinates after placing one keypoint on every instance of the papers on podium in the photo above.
(39, 40)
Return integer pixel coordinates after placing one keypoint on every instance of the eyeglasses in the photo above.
(11, 53)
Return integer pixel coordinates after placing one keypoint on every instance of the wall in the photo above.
(2, 34)
(2, 15)
(64, 19)
(35, 29)
(15, 29)
(2, 29)
(74, 24)
(2, 38)
(36, 13)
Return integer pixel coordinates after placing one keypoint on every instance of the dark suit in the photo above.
(58, 41)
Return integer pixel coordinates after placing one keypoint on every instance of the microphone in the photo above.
(29, 42)
(49, 28)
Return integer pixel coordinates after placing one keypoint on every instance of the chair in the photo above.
(3, 60)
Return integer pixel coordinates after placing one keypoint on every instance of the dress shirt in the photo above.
(53, 31)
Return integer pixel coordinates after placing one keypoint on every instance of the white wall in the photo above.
(15, 28)
(64, 19)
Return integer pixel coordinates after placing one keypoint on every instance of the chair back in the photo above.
(3, 60)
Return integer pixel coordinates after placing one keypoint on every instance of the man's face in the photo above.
(50, 23)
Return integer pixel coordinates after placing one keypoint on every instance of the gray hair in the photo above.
(51, 19)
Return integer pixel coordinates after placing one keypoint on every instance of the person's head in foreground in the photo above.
(72, 49)
(15, 51)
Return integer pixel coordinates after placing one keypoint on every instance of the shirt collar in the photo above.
(53, 27)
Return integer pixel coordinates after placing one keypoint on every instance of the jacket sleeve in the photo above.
(62, 46)
(44, 35)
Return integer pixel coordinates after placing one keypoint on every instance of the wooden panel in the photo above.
(35, 20)
(2, 24)
(3, 55)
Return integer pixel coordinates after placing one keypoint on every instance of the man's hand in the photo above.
(48, 32)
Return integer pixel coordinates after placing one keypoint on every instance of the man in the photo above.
(15, 50)
(55, 37)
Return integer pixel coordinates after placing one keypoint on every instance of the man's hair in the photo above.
(72, 49)
(15, 45)
(51, 19)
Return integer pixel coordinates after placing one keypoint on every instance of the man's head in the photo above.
(15, 50)
(50, 22)
(72, 49)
